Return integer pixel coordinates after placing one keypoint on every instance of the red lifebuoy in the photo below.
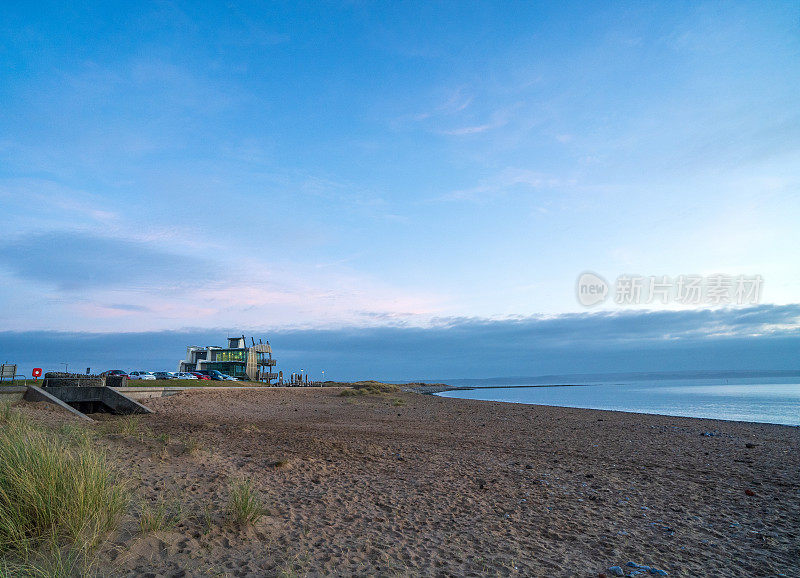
(37, 372)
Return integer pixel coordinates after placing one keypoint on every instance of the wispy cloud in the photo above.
(456, 102)
(459, 115)
(497, 119)
(475, 129)
(510, 179)
(52, 202)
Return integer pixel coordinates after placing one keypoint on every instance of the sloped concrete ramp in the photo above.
(83, 400)
(35, 393)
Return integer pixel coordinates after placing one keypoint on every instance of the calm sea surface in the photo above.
(742, 399)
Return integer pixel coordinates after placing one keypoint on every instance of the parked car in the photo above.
(199, 375)
(212, 374)
(184, 375)
(116, 372)
(133, 375)
(163, 375)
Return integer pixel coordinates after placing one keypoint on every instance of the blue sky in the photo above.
(265, 167)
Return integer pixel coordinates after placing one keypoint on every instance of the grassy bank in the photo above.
(369, 388)
(359, 384)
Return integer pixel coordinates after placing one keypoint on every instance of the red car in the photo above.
(200, 375)
(118, 372)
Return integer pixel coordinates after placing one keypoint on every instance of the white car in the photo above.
(141, 375)
(184, 375)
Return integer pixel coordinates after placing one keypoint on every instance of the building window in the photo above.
(231, 356)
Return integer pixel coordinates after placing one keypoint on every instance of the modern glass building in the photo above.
(238, 360)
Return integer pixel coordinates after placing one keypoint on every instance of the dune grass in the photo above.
(52, 491)
(159, 516)
(129, 425)
(50, 561)
(369, 388)
(191, 446)
(245, 505)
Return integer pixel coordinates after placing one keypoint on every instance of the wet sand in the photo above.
(414, 485)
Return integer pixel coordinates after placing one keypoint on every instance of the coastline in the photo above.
(402, 483)
(441, 387)
(736, 402)
(640, 413)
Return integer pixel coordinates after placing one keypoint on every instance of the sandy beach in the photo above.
(404, 484)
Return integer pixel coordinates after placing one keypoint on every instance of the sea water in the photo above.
(766, 400)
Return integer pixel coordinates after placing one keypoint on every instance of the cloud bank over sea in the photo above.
(763, 337)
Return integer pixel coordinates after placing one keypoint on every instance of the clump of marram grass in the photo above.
(245, 505)
(52, 490)
(191, 446)
(129, 425)
(50, 561)
(78, 434)
(159, 516)
(295, 566)
(370, 388)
